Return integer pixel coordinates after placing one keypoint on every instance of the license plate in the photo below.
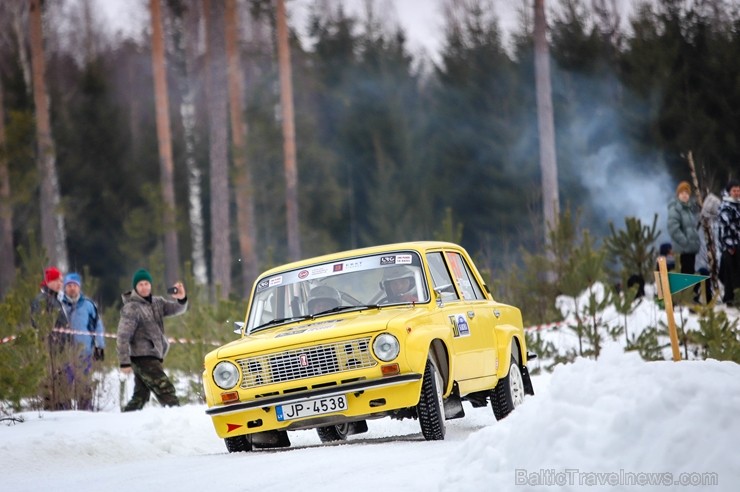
(307, 408)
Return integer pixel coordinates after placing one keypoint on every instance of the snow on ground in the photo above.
(618, 416)
(646, 313)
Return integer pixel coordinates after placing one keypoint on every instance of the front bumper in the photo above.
(363, 397)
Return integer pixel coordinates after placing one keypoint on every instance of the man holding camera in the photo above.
(142, 344)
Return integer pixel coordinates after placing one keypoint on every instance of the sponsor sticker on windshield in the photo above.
(276, 280)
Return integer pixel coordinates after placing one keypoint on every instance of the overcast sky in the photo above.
(421, 19)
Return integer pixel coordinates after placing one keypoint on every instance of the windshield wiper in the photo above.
(281, 320)
(347, 308)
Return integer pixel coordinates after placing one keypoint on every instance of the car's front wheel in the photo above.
(509, 392)
(430, 408)
(238, 444)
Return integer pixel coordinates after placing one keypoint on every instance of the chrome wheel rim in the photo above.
(516, 384)
(438, 380)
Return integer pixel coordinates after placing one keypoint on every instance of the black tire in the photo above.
(332, 433)
(238, 444)
(431, 408)
(509, 392)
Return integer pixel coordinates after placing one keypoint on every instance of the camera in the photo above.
(172, 290)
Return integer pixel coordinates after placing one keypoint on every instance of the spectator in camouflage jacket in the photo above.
(142, 344)
(729, 241)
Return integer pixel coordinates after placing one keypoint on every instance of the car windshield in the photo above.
(353, 283)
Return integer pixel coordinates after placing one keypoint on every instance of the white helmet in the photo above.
(322, 298)
(398, 290)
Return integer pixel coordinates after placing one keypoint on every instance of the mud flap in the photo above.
(528, 388)
(270, 439)
(359, 427)
(453, 408)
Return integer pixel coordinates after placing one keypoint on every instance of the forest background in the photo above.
(390, 147)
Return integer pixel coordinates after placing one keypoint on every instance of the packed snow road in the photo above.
(616, 424)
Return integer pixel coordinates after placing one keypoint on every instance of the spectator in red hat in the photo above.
(47, 306)
(47, 301)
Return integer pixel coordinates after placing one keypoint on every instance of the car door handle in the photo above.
(471, 314)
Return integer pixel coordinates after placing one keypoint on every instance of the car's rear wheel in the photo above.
(509, 392)
(332, 433)
(430, 408)
(238, 444)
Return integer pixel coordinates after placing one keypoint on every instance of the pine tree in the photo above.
(634, 247)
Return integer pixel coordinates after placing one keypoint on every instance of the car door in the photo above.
(459, 315)
(480, 346)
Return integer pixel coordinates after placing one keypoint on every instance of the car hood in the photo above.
(323, 328)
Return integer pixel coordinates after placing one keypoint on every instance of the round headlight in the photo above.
(386, 347)
(225, 375)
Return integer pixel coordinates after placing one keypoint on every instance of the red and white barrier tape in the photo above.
(7, 339)
(112, 335)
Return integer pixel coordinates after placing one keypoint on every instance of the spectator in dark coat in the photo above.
(142, 344)
(46, 307)
(729, 238)
(47, 301)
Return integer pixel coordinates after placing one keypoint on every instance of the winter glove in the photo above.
(98, 353)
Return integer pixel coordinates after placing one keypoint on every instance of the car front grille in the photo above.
(291, 365)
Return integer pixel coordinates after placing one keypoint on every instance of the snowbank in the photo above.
(620, 416)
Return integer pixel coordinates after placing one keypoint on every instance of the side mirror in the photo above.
(239, 327)
(440, 289)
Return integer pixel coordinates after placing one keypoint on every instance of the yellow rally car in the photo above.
(404, 330)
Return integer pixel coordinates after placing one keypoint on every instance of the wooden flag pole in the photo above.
(668, 301)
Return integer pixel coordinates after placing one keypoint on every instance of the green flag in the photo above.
(680, 281)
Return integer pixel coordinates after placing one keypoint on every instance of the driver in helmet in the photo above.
(323, 298)
(399, 284)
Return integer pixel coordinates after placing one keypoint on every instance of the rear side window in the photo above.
(441, 277)
(464, 277)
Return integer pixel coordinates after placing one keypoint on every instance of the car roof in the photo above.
(420, 246)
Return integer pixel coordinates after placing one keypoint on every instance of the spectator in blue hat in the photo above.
(87, 333)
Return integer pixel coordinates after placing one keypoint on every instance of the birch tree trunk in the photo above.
(19, 12)
(52, 220)
(186, 27)
(242, 174)
(218, 141)
(289, 149)
(7, 264)
(545, 119)
(164, 137)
